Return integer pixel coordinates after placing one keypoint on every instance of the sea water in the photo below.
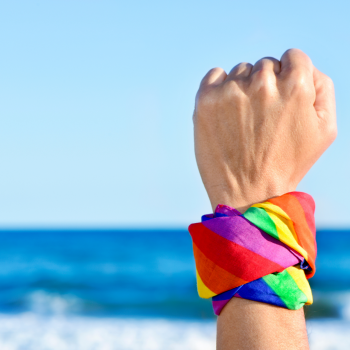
(136, 289)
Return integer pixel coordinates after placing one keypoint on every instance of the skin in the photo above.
(258, 130)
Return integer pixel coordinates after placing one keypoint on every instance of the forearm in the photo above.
(245, 324)
(258, 130)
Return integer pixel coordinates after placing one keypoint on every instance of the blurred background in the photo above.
(98, 179)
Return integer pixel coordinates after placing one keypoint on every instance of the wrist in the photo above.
(242, 198)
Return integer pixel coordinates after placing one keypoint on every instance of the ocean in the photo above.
(136, 289)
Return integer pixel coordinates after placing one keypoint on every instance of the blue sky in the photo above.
(96, 99)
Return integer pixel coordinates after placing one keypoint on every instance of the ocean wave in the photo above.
(42, 302)
(126, 302)
(111, 302)
(329, 305)
(30, 331)
(134, 273)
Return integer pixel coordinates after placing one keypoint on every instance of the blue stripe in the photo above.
(257, 290)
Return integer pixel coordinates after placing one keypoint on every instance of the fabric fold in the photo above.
(266, 254)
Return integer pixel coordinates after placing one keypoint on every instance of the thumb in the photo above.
(325, 97)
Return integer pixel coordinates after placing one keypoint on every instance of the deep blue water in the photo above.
(132, 272)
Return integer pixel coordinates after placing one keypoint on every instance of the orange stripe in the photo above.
(292, 207)
(308, 205)
(214, 277)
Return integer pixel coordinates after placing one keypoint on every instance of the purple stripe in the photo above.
(224, 209)
(219, 305)
(239, 230)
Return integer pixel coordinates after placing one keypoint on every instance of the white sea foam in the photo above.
(30, 331)
(41, 302)
(329, 334)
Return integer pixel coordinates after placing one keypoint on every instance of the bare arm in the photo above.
(258, 131)
(246, 324)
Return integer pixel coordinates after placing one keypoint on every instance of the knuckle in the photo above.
(294, 51)
(267, 61)
(232, 90)
(241, 66)
(296, 58)
(297, 52)
(215, 70)
(300, 82)
(241, 70)
(263, 81)
(246, 64)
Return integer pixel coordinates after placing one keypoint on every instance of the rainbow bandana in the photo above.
(266, 254)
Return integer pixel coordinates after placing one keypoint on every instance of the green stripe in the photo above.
(260, 218)
(285, 287)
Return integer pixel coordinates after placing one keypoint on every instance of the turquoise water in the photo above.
(135, 273)
(136, 290)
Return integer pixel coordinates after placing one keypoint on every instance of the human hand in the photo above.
(259, 129)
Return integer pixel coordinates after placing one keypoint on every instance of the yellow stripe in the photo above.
(298, 276)
(284, 226)
(203, 290)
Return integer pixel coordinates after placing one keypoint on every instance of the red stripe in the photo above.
(235, 259)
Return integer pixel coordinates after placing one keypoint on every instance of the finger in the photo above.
(295, 59)
(214, 77)
(325, 97)
(241, 70)
(267, 63)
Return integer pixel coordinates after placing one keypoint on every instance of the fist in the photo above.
(259, 129)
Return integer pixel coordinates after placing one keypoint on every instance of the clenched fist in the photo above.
(259, 129)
